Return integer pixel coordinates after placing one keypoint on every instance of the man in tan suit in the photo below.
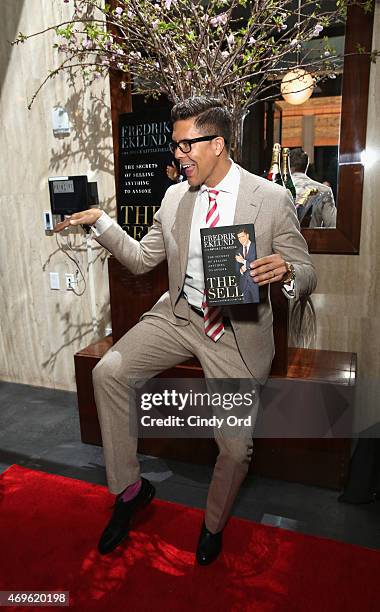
(175, 328)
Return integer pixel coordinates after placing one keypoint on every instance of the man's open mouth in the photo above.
(188, 169)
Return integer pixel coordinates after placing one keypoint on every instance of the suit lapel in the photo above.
(182, 225)
(249, 199)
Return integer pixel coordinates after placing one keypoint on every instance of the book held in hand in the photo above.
(227, 253)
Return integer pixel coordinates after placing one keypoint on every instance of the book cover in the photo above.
(227, 253)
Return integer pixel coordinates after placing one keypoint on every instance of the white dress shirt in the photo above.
(226, 201)
(102, 224)
(246, 247)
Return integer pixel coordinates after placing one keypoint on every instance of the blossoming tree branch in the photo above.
(232, 48)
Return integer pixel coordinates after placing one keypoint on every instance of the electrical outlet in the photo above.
(71, 281)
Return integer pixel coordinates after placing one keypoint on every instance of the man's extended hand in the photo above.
(268, 269)
(84, 217)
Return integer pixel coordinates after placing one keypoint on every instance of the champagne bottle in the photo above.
(274, 173)
(286, 174)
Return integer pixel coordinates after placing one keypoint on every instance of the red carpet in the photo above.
(49, 527)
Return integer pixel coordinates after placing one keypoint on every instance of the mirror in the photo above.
(265, 123)
(314, 127)
(345, 237)
(311, 130)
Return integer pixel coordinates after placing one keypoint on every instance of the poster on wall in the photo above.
(144, 138)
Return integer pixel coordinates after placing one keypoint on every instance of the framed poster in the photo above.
(144, 138)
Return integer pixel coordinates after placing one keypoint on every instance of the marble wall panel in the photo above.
(41, 329)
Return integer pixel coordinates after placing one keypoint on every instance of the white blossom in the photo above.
(317, 30)
(219, 20)
(231, 39)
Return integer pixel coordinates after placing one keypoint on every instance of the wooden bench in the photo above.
(322, 462)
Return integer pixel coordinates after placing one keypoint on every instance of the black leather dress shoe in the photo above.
(119, 525)
(209, 546)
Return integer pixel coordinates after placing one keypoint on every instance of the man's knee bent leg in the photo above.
(109, 369)
(114, 394)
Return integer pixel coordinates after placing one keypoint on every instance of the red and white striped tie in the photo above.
(213, 318)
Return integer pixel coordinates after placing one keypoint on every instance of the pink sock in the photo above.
(131, 491)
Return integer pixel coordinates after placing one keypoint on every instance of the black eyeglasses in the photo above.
(185, 145)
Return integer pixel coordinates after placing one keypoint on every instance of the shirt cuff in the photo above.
(289, 289)
(102, 224)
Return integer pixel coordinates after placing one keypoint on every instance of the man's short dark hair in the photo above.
(242, 230)
(210, 114)
(298, 160)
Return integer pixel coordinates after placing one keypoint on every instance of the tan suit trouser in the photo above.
(154, 345)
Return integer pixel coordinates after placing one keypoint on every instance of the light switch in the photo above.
(54, 280)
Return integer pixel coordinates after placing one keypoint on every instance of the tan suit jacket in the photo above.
(259, 201)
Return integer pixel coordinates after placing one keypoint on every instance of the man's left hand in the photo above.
(270, 269)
